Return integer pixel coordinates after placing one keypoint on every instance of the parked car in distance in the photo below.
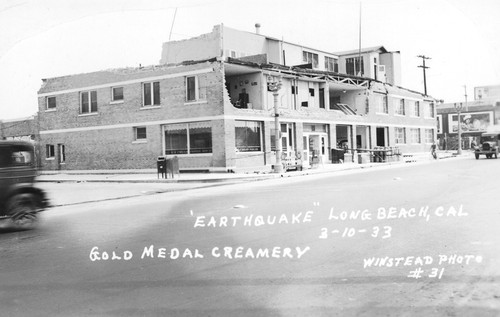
(488, 145)
(20, 199)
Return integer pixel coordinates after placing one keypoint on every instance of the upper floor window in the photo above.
(429, 110)
(117, 93)
(310, 58)
(400, 107)
(354, 66)
(192, 88)
(331, 64)
(382, 106)
(51, 103)
(151, 93)
(416, 109)
(88, 101)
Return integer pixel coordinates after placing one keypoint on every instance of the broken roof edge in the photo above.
(139, 68)
(298, 70)
(123, 71)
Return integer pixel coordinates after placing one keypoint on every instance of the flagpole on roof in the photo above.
(359, 73)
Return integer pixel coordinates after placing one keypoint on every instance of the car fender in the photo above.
(41, 199)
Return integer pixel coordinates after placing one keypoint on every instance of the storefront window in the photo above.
(200, 137)
(177, 141)
(248, 136)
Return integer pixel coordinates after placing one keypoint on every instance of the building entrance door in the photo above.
(315, 149)
(381, 136)
(288, 140)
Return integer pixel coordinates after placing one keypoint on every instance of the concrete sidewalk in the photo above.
(81, 187)
(151, 176)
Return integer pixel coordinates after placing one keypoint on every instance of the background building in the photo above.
(22, 129)
(476, 117)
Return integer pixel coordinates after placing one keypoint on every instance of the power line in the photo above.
(423, 57)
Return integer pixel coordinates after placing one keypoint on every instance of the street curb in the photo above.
(230, 181)
(242, 179)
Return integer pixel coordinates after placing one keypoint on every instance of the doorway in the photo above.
(315, 148)
(381, 136)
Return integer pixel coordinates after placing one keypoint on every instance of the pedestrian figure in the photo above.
(433, 150)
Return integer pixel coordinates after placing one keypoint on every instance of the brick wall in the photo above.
(105, 140)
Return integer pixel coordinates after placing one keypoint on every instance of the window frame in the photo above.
(350, 65)
(331, 64)
(399, 135)
(136, 134)
(47, 103)
(416, 108)
(62, 153)
(50, 152)
(187, 127)
(426, 136)
(113, 96)
(196, 89)
(399, 109)
(310, 57)
(259, 125)
(89, 94)
(415, 137)
(154, 96)
(382, 106)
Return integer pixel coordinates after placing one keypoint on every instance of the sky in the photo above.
(50, 38)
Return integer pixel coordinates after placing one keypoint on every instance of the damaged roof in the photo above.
(111, 75)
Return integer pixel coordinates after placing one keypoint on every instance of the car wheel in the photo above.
(22, 211)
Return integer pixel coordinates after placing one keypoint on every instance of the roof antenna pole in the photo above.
(359, 73)
(170, 35)
(172, 27)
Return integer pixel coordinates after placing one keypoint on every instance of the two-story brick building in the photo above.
(208, 103)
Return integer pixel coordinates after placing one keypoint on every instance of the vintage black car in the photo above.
(488, 146)
(20, 199)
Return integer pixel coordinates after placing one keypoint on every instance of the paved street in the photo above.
(417, 240)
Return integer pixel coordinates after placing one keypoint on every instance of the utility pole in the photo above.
(423, 57)
(275, 86)
(458, 108)
(466, 106)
